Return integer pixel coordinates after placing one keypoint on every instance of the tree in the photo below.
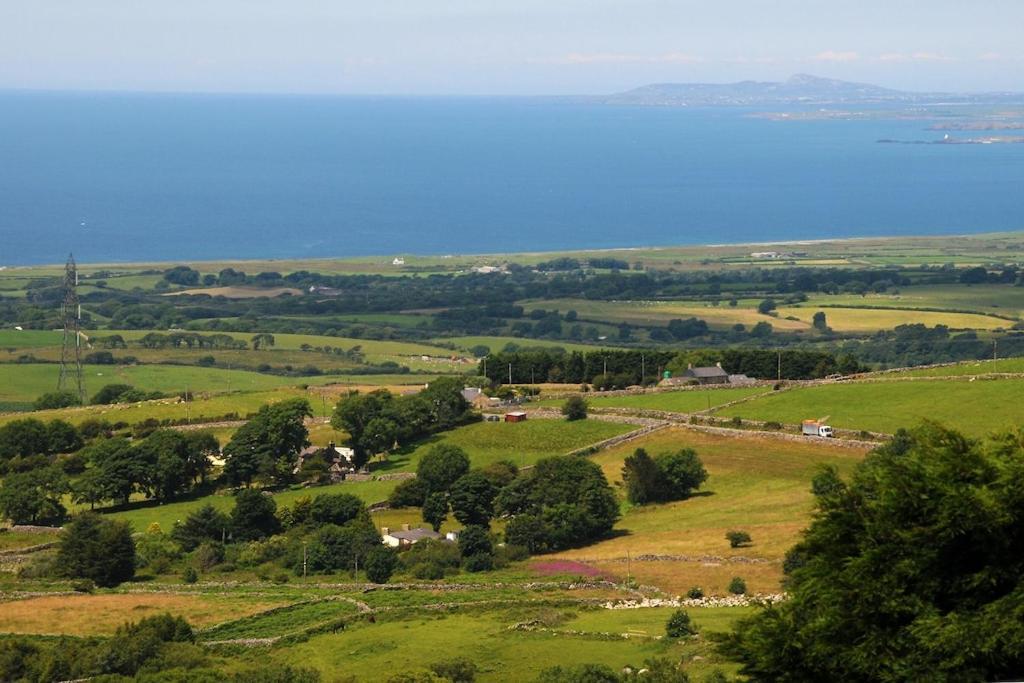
(253, 516)
(574, 408)
(62, 437)
(380, 563)
(472, 499)
(737, 538)
(819, 322)
(202, 525)
(346, 547)
(680, 625)
(910, 570)
(98, 549)
(476, 548)
(683, 473)
(121, 469)
(441, 466)
(766, 306)
(262, 341)
(337, 508)
(268, 445)
(354, 413)
(435, 510)
(111, 393)
(737, 586)
(56, 399)
(643, 478)
(24, 437)
(34, 496)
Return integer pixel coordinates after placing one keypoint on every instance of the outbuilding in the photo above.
(515, 416)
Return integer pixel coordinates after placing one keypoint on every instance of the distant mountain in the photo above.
(799, 89)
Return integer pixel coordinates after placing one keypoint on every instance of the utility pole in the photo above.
(627, 568)
(188, 413)
(643, 369)
(70, 377)
(780, 366)
(304, 559)
(995, 354)
(510, 373)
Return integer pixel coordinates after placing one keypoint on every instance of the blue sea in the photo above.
(125, 177)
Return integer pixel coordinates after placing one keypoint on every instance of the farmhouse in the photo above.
(340, 460)
(407, 537)
(710, 375)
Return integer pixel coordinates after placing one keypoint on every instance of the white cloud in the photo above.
(625, 58)
(836, 56)
(913, 57)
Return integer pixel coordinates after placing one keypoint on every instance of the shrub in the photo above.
(458, 670)
(695, 593)
(736, 421)
(98, 549)
(56, 399)
(83, 586)
(680, 625)
(380, 564)
(208, 555)
(738, 539)
(772, 425)
(410, 493)
(190, 575)
(737, 586)
(574, 408)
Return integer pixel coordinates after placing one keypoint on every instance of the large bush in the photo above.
(98, 549)
(911, 570)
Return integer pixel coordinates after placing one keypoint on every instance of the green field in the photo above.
(1003, 300)
(524, 443)
(755, 483)
(1003, 365)
(366, 650)
(661, 312)
(26, 382)
(684, 401)
(496, 344)
(976, 408)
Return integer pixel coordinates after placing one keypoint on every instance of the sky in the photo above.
(503, 47)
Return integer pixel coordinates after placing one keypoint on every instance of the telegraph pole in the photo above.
(510, 373)
(780, 366)
(70, 378)
(995, 354)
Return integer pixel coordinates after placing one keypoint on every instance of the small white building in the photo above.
(399, 261)
(406, 536)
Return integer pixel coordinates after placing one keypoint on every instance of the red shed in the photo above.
(516, 416)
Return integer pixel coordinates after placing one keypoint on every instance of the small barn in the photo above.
(515, 416)
(406, 537)
(709, 375)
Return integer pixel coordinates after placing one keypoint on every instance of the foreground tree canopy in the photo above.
(912, 570)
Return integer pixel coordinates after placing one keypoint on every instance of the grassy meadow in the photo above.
(758, 484)
(683, 401)
(974, 407)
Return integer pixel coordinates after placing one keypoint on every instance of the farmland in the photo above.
(755, 483)
(874, 319)
(976, 408)
(685, 401)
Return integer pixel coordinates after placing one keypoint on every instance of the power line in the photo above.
(70, 378)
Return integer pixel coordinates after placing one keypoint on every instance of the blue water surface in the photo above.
(127, 177)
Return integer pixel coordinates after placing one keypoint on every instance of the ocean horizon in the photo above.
(116, 177)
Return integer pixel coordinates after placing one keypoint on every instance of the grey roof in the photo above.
(414, 534)
(713, 371)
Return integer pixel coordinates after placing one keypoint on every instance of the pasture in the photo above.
(974, 407)
(682, 401)
(661, 312)
(861, 320)
(758, 484)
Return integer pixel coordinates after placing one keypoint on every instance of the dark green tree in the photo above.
(911, 570)
(98, 549)
(644, 480)
(380, 563)
(268, 445)
(34, 496)
(683, 473)
(202, 525)
(335, 508)
(56, 399)
(574, 408)
(24, 437)
(253, 516)
(472, 499)
(62, 437)
(441, 466)
(435, 510)
(476, 548)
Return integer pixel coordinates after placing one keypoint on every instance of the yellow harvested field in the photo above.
(660, 312)
(84, 615)
(873, 319)
(240, 292)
